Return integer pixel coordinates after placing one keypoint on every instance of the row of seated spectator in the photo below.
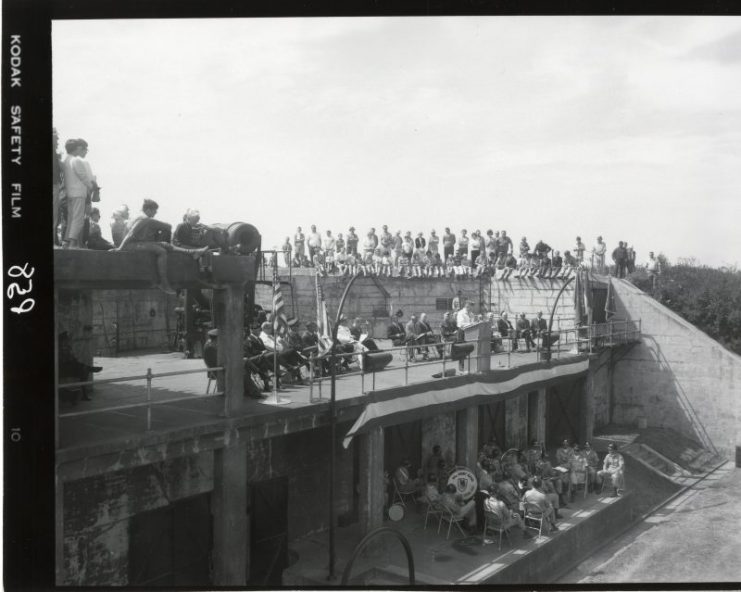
(431, 265)
(390, 254)
(418, 331)
(514, 482)
(292, 353)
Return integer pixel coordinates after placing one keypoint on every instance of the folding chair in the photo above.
(433, 509)
(533, 513)
(494, 522)
(447, 516)
(400, 495)
(581, 478)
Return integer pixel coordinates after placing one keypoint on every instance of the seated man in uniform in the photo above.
(613, 469)
(508, 518)
(150, 235)
(564, 456)
(593, 464)
(579, 472)
(539, 500)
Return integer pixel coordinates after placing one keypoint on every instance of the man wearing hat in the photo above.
(396, 331)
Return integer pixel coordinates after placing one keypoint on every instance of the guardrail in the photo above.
(586, 339)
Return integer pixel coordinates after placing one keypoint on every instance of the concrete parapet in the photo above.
(677, 376)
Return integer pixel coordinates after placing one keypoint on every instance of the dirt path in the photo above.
(695, 538)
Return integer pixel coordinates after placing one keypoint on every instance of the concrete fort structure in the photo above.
(160, 483)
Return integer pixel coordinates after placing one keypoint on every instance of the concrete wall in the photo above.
(440, 429)
(373, 299)
(677, 377)
(126, 320)
(97, 512)
(598, 390)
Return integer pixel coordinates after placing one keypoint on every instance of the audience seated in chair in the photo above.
(461, 510)
(613, 470)
(507, 517)
(535, 499)
(404, 480)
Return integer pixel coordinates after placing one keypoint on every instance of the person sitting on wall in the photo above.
(120, 224)
(190, 232)
(71, 369)
(593, 464)
(466, 511)
(152, 236)
(538, 498)
(508, 518)
(613, 469)
(95, 240)
(404, 480)
(396, 331)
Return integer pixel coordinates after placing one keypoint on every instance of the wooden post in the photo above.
(372, 489)
(229, 508)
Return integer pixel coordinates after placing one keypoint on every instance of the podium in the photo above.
(479, 334)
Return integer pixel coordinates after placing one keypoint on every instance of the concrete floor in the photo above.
(79, 427)
(695, 538)
(458, 560)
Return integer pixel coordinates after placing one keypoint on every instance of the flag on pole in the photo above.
(322, 320)
(280, 322)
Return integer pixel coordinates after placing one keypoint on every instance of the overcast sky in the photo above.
(546, 127)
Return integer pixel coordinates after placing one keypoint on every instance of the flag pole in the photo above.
(275, 400)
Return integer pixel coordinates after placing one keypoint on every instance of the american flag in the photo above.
(280, 322)
(322, 320)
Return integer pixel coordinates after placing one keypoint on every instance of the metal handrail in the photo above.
(149, 376)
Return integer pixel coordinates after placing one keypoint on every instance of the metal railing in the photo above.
(571, 341)
(148, 403)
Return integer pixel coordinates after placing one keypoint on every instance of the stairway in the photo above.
(660, 464)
